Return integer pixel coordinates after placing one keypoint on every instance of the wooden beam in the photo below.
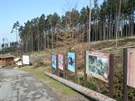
(85, 91)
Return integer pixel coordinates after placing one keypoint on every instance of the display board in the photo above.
(60, 61)
(71, 61)
(131, 67)
(54, 61)
(26, 59)
(97, 65)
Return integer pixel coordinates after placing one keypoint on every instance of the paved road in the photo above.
(18, 85)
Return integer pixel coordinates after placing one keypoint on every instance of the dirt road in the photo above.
(17, 85)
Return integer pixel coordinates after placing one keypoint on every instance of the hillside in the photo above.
(108, 46)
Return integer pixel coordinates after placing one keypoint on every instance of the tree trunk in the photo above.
(117, 23)
(52, 40)
(38, 39)
(44, 39)
(110, 30)
(89, 36)
(104, 30)
(132, 22)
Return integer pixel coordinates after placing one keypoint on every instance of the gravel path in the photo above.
(18, 85)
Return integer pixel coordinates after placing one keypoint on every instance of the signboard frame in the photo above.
(130, 69)
(96, 56)
(110, 71)
(54, 66)
(71, 56)
(126, 72)
(75, 66)
(61, 61)
(26, 58)
(60, 69)
(54, 60)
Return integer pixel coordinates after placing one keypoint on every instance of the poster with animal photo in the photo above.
(71, 61)
(60, 61)
(97, 65)
(54, 61)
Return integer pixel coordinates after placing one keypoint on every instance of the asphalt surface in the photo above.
(18, 85)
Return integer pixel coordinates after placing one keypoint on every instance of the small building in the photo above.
(6, 60)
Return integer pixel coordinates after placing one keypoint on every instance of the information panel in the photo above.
(60, 61)
(71, 61)
(131, 67)
(97, 65)
(25, 59)
(54, 64)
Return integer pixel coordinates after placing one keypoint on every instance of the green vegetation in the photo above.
(113, 18)
(110, 19)
(40, 62)
(8, 50)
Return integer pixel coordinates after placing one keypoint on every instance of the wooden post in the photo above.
(67, 67)
(85, 75)
(65, 62)
(111, 74)
(51, 64)
(57, 69)
(85, 91)
(76, 69)
(64, 68)
(125, 87)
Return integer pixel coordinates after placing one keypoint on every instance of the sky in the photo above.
(24, 10)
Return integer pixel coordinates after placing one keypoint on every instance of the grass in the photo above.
(92, 83)
(39, 73)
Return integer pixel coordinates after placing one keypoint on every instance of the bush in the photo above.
(40, 64)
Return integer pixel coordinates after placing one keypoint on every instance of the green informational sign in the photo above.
(97, 65)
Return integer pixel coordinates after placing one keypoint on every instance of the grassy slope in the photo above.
(103, 46)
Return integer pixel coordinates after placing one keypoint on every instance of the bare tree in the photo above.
(117, 23)
(89, 36)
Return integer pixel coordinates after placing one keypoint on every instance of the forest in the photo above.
(112, 19)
